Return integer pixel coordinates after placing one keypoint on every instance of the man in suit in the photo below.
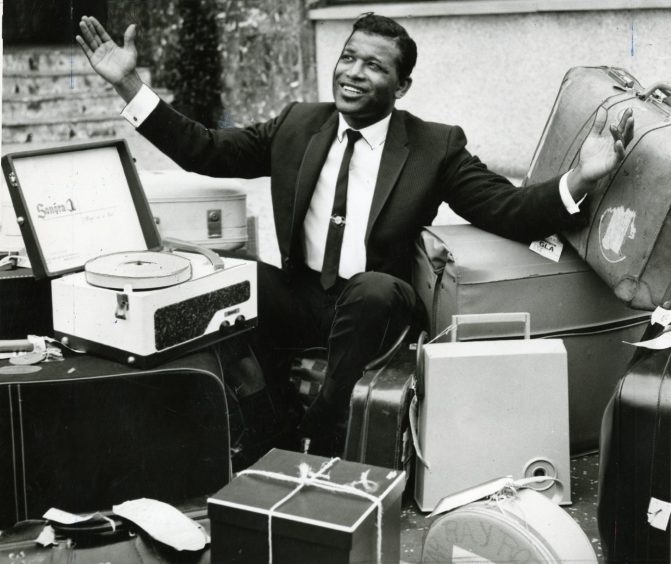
(352, 183)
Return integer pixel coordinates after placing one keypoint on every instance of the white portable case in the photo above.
(209, 212)
(80, 202)
(513, 526)
(492, 408)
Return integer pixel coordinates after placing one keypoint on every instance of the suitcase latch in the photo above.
(122, 305)
(213, 224)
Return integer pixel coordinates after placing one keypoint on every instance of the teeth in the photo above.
(351, 89)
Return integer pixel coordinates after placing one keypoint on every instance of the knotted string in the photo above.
(509, 493)
(306, 477)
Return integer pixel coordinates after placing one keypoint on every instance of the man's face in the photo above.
(365, 80)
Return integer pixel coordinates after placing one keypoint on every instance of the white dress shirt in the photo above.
(363, 170)
(364, 167)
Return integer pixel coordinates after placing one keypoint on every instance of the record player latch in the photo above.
(121, 305)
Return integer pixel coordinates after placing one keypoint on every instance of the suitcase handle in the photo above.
(663, 87)
(488, 318)
(419, 365)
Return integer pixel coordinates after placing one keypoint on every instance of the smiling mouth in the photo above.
(349, 89)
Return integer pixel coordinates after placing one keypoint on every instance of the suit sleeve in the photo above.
(229, 152)
(489, 201)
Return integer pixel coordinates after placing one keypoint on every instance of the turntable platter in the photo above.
(142, 270)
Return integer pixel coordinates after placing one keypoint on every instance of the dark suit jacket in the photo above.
(423, 164)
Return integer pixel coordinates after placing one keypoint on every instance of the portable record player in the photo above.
(117, 289)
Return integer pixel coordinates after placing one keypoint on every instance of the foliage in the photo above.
(194, 63)
(266, 50)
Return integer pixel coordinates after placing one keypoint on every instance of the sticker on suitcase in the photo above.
(617, 225)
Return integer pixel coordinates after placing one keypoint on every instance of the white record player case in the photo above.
(77, 203)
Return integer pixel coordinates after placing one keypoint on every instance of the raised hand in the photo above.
(601, 152)
(115, 64)
(604, 148)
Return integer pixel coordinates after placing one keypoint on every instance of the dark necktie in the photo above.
(337, 224)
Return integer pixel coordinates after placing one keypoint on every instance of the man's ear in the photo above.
(403, 88)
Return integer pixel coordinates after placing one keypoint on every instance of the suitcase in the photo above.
(628, 239)
(378, 430)
(520, 527)
(128, 545)
(85, 433)
(210, 212)
(18, 287)
(462, 270)
(635, 461)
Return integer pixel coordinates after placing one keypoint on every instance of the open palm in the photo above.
(110, 61)
(604, 147)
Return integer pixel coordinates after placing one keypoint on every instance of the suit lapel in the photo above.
(308, 173)
(394, 155)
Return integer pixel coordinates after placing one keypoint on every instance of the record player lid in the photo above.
(78, 202)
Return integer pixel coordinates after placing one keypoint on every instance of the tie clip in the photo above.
(338, 220)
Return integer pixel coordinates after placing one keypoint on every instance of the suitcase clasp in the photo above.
(214, 224)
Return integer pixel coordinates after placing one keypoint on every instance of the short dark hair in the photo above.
(381, 25)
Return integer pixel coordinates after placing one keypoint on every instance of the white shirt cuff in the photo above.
(142, 104)
(570, 204)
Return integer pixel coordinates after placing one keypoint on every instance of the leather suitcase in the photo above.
(18, 287)
(635, 462)
(378, 431)
(628, 239)
(128, 545)
(86, 433)
(460, 269)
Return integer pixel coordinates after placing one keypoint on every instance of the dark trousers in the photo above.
(357, 320)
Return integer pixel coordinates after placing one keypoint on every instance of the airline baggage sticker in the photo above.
(661, 316)
(658, 513)
(551, 247)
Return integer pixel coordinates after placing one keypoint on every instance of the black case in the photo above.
(635, 461)
(378, 431)
(128, 545)
(85, 433)
(25, 305)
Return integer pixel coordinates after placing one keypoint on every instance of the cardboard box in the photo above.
(315, 524)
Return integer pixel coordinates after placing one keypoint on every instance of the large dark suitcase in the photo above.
(86, 433)
(18, 287)
(127, 545)
(628, 239)
(378, 430)
(460, 269)
(635, 461)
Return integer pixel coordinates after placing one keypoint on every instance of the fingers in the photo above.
(623, 131)
(627, 128)
(600, 120)
(618, 147)
(100, 30)
(129, 37)
(89, 33)
(84, 46)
